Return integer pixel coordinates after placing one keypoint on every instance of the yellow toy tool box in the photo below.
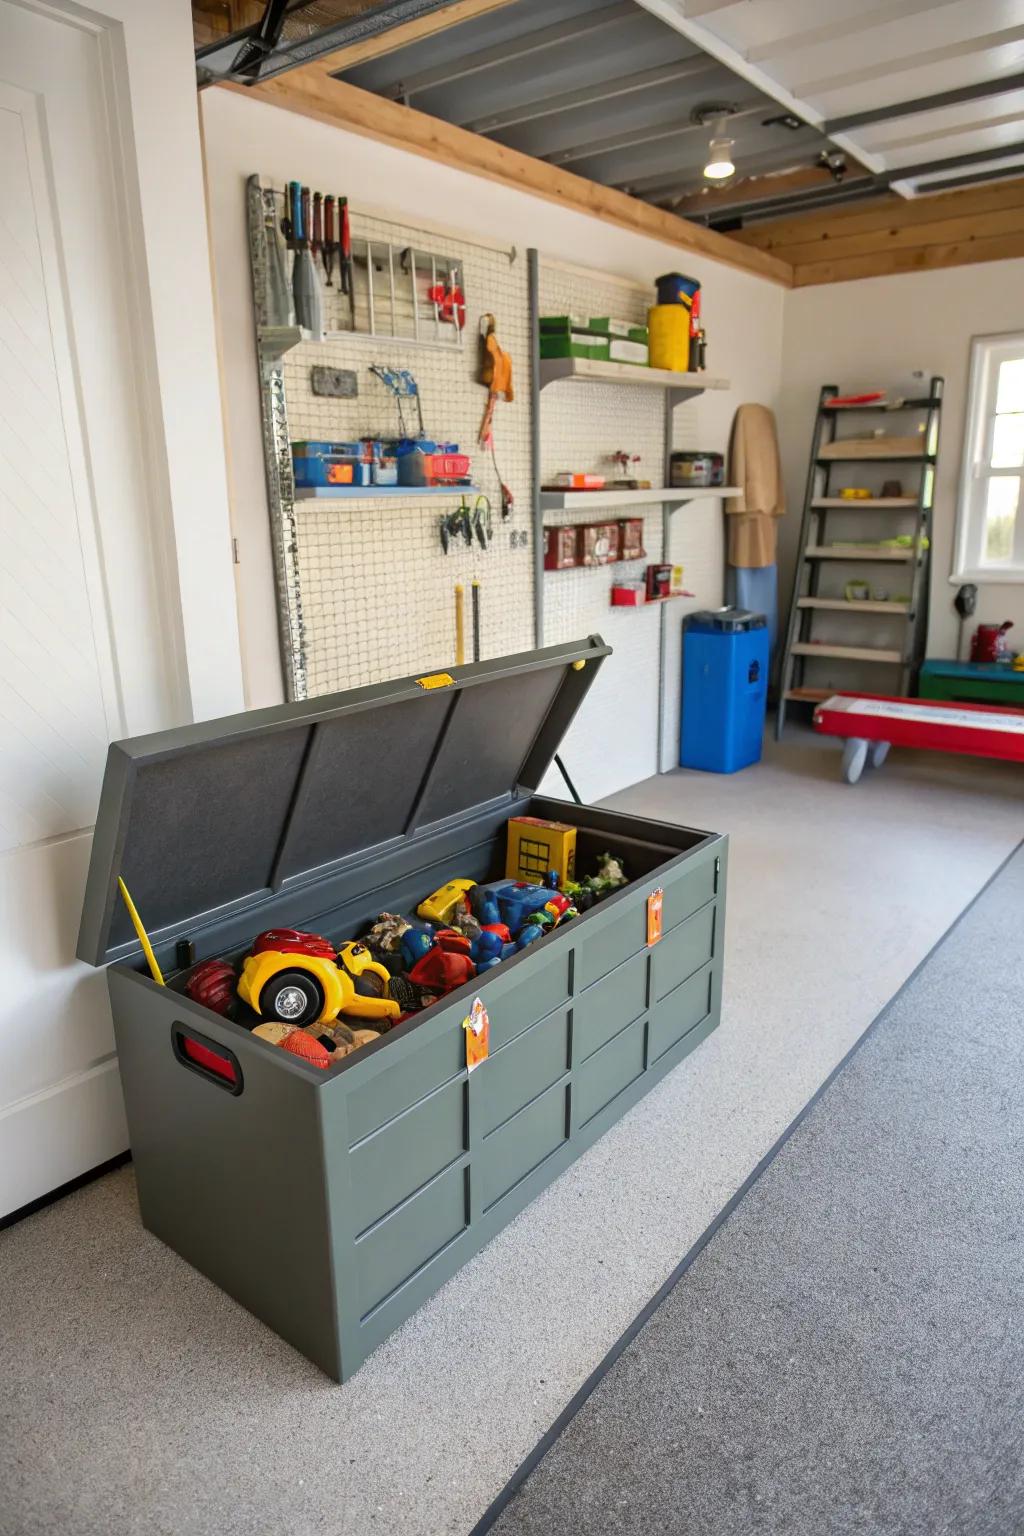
(536, 846)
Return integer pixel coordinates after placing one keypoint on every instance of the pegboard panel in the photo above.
(377, 588)
(613, 740)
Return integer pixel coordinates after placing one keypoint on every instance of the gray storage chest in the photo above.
(333, 1204)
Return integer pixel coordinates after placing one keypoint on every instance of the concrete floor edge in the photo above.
(576, 1402)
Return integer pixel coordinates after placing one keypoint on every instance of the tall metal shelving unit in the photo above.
(821, 501)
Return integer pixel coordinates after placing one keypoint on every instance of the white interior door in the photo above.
(89, 646)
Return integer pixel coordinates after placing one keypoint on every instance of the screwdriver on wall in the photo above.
(309, 309)
(330, 245)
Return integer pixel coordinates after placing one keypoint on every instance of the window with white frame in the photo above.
(990, 516)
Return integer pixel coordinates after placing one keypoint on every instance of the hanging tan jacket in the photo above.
(754, 466)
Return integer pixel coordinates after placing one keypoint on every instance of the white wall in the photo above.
(743, 317)
(869, 333)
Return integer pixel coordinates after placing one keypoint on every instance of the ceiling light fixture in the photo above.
(720, 165)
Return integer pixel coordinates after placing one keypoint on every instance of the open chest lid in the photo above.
(206, 820)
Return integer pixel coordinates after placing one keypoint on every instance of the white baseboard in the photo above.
(56, 1134)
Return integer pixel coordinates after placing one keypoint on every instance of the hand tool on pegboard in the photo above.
(496, 376)
(460, 624)
(330, 244)
(309, 310)
(345, 256)
(401, 385)
(475, 594)
(482, 520)
(316, 233)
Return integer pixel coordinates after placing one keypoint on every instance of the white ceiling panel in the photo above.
(833, 59)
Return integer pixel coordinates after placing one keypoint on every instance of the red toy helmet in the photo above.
(292, 941)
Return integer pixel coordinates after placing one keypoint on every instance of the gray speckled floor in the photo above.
(135, 1398)
(846, 1354)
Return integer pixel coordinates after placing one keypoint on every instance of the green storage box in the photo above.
(332, 1204)
(575, 346)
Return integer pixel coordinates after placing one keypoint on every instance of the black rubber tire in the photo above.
(304, 983)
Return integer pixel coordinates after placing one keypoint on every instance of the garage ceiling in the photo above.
(927, 94)
(827, 103)
(606, 90)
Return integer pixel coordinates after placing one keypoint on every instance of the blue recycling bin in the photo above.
(725, 689)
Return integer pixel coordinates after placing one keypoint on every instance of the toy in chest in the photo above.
(322, 1000)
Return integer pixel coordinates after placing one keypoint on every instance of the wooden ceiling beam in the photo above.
(406, 33)
(896, 236)
(312, 91)
(921, 258)
(748, 188)
(887, 212)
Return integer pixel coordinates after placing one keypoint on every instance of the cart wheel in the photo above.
(292, 997)
(855, 754)
(878, 753)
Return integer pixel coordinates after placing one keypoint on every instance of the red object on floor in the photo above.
(932, 725)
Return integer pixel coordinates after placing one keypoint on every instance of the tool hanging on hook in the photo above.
(330, 244)
(475, 594)
(496, 376)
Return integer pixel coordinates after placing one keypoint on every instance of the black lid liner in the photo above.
(207, 819)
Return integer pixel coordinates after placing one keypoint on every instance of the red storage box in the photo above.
(561, 549)
(631, 538)
(599, 543)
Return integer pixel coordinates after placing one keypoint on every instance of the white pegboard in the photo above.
(377, 588)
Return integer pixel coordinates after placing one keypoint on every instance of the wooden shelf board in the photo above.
(875, 458)
(853, 605)
(851, 552)
(574, 501)
(864, 503)
(845, 652)
(874, 448)
(809, 695)
(591, 371)
(921, 403)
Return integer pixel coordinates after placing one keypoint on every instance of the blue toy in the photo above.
(486, 946)
(507, 901)
(530, 932)
(414, 944)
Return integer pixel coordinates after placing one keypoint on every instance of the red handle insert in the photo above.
(204, 1056)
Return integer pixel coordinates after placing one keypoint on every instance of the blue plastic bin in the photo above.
(725, 689)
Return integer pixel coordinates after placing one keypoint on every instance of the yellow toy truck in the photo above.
(300, 978)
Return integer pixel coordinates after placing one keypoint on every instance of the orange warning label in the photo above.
(655, 902)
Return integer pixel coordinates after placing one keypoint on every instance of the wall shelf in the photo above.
(373, 492)
(276, 340)
(575, 501)
(854, 553)
(864, 503)
(847, 652)
(855, 604)
(588, 370)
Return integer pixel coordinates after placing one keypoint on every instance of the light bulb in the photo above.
(719, 166)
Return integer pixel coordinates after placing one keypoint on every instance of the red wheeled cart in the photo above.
(872, 723)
